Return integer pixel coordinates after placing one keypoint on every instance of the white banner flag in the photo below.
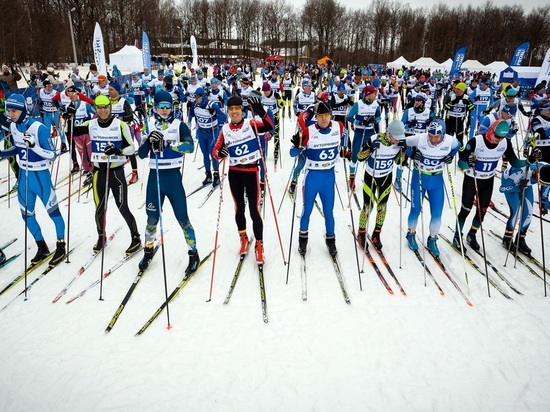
(193, 43)
(99, 51)
(545, 69)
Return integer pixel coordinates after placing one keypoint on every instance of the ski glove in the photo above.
(536, 155)
(223, 152)
(112, 150)
(523, 184)
(296, 140)
(375, 144)
(29, 140)
(472, 160)
(448, 159)
(417, 155)
(156, 139)
(256, 104)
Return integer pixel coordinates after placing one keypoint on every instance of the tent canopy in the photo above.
(324, 60)
(447, 64)
(473, 66)
(127, 59)
(275, 58)
(525, 75)
(426, 63)
(398, 63)
(496, 66)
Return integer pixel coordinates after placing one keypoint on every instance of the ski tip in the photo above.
(168, 327)
(469, 303)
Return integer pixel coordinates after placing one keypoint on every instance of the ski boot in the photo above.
(134, 177)
(472, 241)
(64, 148)
(411, 239)
(194, 261)
(88, 176)
(134, 245)
(42, 251)
(376, 239)
(362, 238)
(259, 249)
(457, 240)
(302, 243)
(244, 242)
(331, 244)
(76, 168)
(99, 244)
(522, 246)
(292, 189)
(215, 179)
(507, 241)
(2, 257)
(352, 182)
(147, 256)
(208, 179)
(432, 245)
(59, 254)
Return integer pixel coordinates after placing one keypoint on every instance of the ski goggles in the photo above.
(103, 106)
(164, 105)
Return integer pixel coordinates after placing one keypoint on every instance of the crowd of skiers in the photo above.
(389, 119)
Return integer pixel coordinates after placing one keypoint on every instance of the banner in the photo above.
(146, 50)
(99, 51)
(193, 43)
(545, 69)
(459, 58)
(519, 54)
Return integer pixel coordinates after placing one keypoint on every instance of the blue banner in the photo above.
(459, 58)
(146, 50)
(519, 54)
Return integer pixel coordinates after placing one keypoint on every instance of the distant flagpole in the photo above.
(519, 54)
(99, 51)
(458, 59)
(146, 50)
(193, 43)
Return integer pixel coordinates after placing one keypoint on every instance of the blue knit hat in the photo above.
(115, 85)
(17, 102)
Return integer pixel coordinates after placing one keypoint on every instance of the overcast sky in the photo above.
(360, 4)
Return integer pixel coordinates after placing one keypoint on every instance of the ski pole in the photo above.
(455, 208)
(421, 200)
(106, 202)
(217, 233)
(269, 189)
(168, 326)
(26, 213)
(291, 236)
(69, 194)
(481, 230)
(541, 227)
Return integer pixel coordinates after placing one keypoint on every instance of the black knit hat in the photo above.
(322, 107)
(234, 101)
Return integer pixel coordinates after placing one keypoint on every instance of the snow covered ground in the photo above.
(420, 352)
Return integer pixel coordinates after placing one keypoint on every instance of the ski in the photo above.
(44, 273)
(9, 260)
(451, 279)
(8, 193)
(236, 274)
(340, 278)
(117, 265)
(129, 293)
(303, 276)
(210, 193)
(83, 268)
(373, 263)
(428, 271)
(388, 267)
(9, 242)
(186, 278)
(520, 259)
(262, 292)
(198, 189)
(498, 273)
(30, 268)
(476, 267)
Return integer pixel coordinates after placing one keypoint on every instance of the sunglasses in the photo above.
(164, 105)
(103, 106)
